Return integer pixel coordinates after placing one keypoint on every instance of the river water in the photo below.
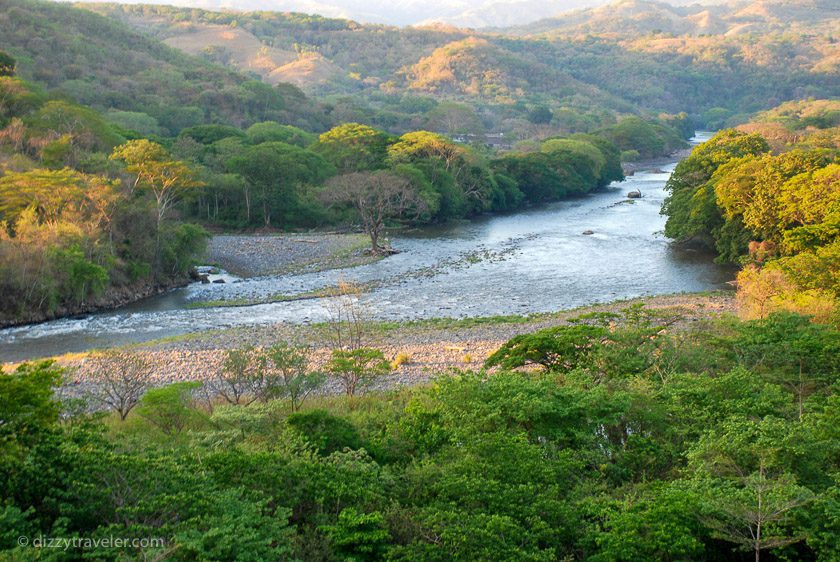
(532, 261)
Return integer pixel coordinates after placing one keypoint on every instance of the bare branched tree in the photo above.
(120, 378)
(377, 197)
(348, 317)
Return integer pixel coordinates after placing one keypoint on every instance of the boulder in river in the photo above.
(587, 232)
(636, 194)
(218, 280)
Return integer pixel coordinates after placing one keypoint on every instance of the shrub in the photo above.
(169, 408)
(553, 348)
(325, 432)
(359, 368)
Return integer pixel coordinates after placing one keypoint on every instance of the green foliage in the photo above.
(183, 245)
(775, 212)
(563, 347)
(278, 172)
(102, 63)
(358, 368)
(540, 115)
(81, 278)
(270, 131)
(676, 456)
(86, 127)
(169, 408)
(660, 523)
(208, 134)
(19, 98)
(690, 206)
(7, 64)
(359, 536)
(324, 431)
(289, 374)
(648, 138)
(28, 409)
(352, 147)
(534, 176)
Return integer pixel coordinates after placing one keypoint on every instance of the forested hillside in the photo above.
(635, 18)
(85, 215)
(767, 196)
(140, 83)
(762, 55)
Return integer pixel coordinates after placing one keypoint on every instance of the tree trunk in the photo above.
(247, 207)
(374, 241)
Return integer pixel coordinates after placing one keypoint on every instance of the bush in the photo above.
(80, 277)
(327, 433)
(553, 348)
(169, 408)
(182, 245)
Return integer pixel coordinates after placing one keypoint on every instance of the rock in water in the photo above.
(587, 233)
(635, 195)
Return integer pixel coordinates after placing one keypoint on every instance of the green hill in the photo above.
(105, 64)
(633, 56)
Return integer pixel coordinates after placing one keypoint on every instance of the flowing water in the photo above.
(532, 261)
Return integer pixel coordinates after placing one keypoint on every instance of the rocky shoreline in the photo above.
(434, 347)
(281, 254)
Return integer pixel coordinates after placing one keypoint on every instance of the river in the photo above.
(532, 261)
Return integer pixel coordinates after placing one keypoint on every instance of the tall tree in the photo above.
(353, 147)
(158, 172)
(276, 170)
(377, 197)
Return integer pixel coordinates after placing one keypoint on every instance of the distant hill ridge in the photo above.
(649, 54)
(634, 17)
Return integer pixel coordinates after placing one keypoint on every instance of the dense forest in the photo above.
(632, 436)
(768, 197)
(135, 81)
(85, 213)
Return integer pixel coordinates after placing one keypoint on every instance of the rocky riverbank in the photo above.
(112, 299)
(433, 347)
(258, 255)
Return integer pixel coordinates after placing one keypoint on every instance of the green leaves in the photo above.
(358, 368)
(169, 408)
(27, 407)
(358, 536)
(707, 455)
(352, 147)
(563, 347)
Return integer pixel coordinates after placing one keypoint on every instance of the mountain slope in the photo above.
(631, 18)
(467, 13)
(102, 63)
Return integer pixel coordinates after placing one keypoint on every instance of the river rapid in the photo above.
(531, 261)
